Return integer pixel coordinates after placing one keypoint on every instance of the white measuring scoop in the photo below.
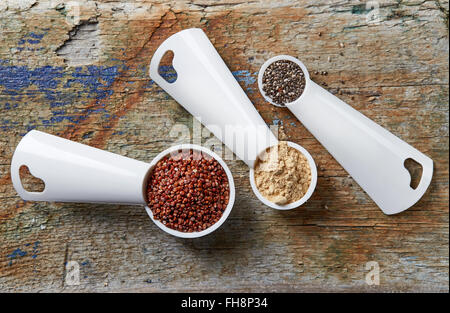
(373, 156)
(207, 89)
(74, 172)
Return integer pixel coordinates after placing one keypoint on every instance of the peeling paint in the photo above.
(23, 85)
(16, 254)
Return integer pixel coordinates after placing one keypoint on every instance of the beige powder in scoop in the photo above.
(282, 174)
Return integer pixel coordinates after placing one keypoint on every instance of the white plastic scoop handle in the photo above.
(206, 88)
(373, 156)
(73, 172)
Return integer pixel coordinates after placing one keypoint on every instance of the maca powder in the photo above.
(282, 174)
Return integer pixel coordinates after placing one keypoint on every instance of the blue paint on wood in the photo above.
(15, 254)
(246, 77)
(35, 249)
(168, 72)
(21, 85)
(95, 79)
(37, 36)
(277, 121)
(60, 87)
(33, 42)
(31, 38)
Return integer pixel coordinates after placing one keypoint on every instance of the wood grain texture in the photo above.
(395, 71)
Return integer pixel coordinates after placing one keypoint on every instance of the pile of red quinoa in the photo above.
(188, 191)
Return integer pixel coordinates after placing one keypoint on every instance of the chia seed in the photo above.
(283, 82)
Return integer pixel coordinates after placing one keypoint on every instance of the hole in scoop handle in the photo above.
(373, 156)
(16, 164)
(73, 172)
(156, 60)
(427, 173)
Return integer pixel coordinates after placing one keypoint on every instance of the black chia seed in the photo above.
(283, 82)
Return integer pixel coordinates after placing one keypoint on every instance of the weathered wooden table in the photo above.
(86, 79)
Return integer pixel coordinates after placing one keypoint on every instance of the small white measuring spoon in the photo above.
(207, 89)
(306, 196)
(373, 156)
(74, 172)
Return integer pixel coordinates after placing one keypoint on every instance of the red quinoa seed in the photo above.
(188, 191)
